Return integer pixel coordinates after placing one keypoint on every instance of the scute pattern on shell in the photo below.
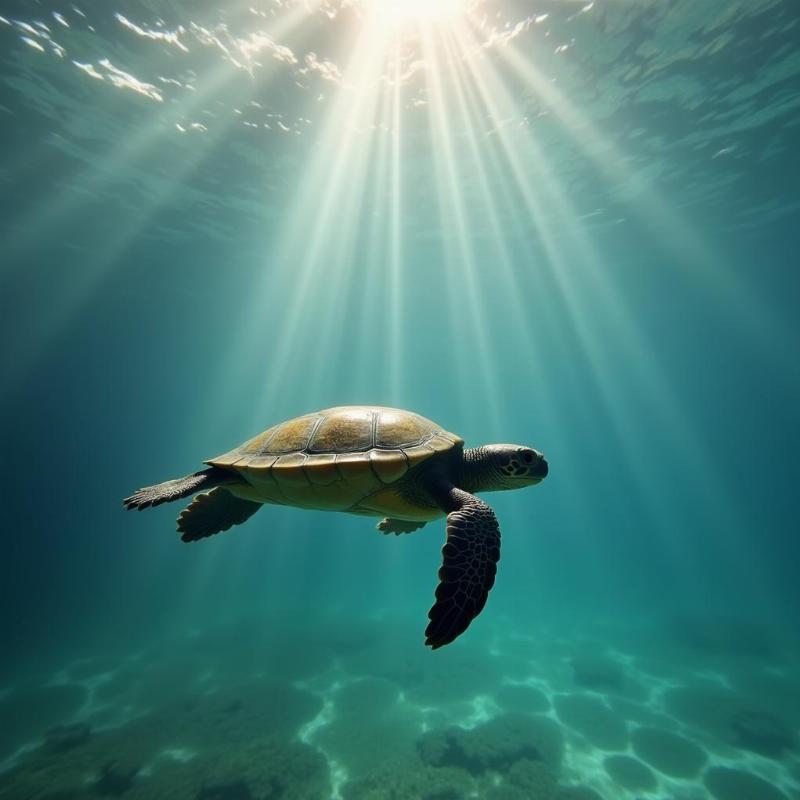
(341, 433)
(345, 442)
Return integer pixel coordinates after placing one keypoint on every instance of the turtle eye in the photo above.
(527, 456)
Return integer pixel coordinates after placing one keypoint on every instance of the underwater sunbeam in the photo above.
(400, 12)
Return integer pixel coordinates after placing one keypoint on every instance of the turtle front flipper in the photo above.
(469, 564)
(398, 526)
(213, 512)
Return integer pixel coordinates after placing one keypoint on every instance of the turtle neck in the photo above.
(479, 474)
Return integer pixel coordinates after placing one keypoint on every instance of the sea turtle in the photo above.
(375, 461)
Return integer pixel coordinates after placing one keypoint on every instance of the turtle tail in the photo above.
(168, 491)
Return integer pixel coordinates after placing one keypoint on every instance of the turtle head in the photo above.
(507, 466)
(517, 465)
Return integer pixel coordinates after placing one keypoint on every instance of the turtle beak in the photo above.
(539, 469)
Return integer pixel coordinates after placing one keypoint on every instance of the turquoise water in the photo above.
(562, 224)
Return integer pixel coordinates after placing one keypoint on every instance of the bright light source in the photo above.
(399, 12)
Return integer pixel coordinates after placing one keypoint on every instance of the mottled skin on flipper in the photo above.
(213, 512)
(375, 461)
(469, 565)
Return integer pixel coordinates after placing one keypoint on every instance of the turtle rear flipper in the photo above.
(398, 526)
(168, 491)
(213, 512)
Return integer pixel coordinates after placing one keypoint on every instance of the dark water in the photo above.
(567, 225)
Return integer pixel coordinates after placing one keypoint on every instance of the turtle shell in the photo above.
(335, 458)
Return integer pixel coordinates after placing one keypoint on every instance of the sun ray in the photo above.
(312, 261)
(370, 378)
(468, 323)
(492, 91)
(105, 169)
(709, 273)
(396, 299)
(496, 200)
(99, 178)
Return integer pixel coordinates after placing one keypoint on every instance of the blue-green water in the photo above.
(568, 225)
